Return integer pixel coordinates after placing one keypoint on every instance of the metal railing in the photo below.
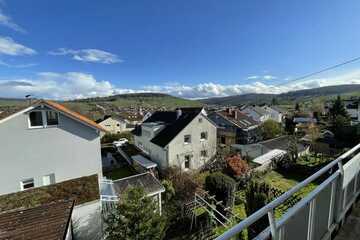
(317, 215)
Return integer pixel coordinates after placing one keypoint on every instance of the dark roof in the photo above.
(165, 117)
(281, 143)
(238, 118)
(44, 222)
(175, 127)
(144, 180)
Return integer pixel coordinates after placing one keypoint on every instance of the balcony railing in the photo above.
(318, 214)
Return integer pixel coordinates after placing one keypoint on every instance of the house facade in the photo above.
(47, 143)
(185, 138)
(115, 124)
(257, 113)
(274, 114)
(234, 127)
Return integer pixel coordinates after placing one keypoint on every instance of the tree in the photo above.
(257, 196)
(274, 101)
(236, 166)
(340, 123)
(270, 129)
(297, 107)
(338, 109)
(222, 186)
(293, 149)
(134, 217)
(169, 189)
(314, 133)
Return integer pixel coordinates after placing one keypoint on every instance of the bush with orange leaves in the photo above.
(236, 166)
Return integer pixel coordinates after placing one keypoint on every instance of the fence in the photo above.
(318, 214)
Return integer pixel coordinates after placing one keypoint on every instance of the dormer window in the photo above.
(36, 119)
(43, 119)
(52, 118)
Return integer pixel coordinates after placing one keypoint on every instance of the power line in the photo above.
(321, 71)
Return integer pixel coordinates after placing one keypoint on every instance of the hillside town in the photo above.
(198, 166)
(179, 120)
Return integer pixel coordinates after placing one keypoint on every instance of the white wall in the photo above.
(70, 150)
(178, 150)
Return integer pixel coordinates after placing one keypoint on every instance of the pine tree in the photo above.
(134, 218)
(338, 109)
(257, 196)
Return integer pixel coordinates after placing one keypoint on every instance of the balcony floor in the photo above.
(351, 228)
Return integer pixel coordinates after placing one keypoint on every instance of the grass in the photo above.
(81, 190)
(119, 173)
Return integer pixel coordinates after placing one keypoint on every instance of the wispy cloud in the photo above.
(9, 47)
(72, 85)
(88, 55)
(9, 65)
(6, 21)
(261, 77)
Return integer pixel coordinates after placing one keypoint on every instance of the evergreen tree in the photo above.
(338, 109)
(257, 196)
(134, 218)
(293, 149)
(297, 107)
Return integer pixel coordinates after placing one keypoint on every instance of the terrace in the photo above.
(321, 213)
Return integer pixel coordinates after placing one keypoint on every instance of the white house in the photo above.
(47, 143)
(257, 113)
(115, 124)
(184, 138)
(273, 113)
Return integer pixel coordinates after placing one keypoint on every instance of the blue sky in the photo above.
(194, 49)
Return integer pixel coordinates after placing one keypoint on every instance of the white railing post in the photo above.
(312, 215)
(272, 223)
(342, 194)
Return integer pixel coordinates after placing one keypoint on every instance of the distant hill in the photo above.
(156, 100)
(294, 96)
(96, 108)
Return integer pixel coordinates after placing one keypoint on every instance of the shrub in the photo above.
(237, 167)
(222, 186)
(135, 217)
(270, 129)
(257, 196)
(110, 137)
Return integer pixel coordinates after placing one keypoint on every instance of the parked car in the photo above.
(120, 142)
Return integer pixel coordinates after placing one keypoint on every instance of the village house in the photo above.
(46, 143)
(115, 124)
(257, 113)
(234, 127)
(183, 138)
(274, 113)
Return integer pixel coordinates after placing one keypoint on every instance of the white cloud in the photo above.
(261, 77)
(72, 85)
(69, 85)
(9, 47)
(88, 55)
(6, 21)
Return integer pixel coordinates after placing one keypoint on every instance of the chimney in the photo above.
(178, 113)
(236, 114)
(229, 111)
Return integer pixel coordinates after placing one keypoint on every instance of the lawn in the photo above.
(118, 173)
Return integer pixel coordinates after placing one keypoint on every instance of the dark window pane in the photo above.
(36, 119)
(52, 118)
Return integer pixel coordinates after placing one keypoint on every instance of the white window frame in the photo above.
(44, 119)
(51, 177)
(25, 180)
(42, 115)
